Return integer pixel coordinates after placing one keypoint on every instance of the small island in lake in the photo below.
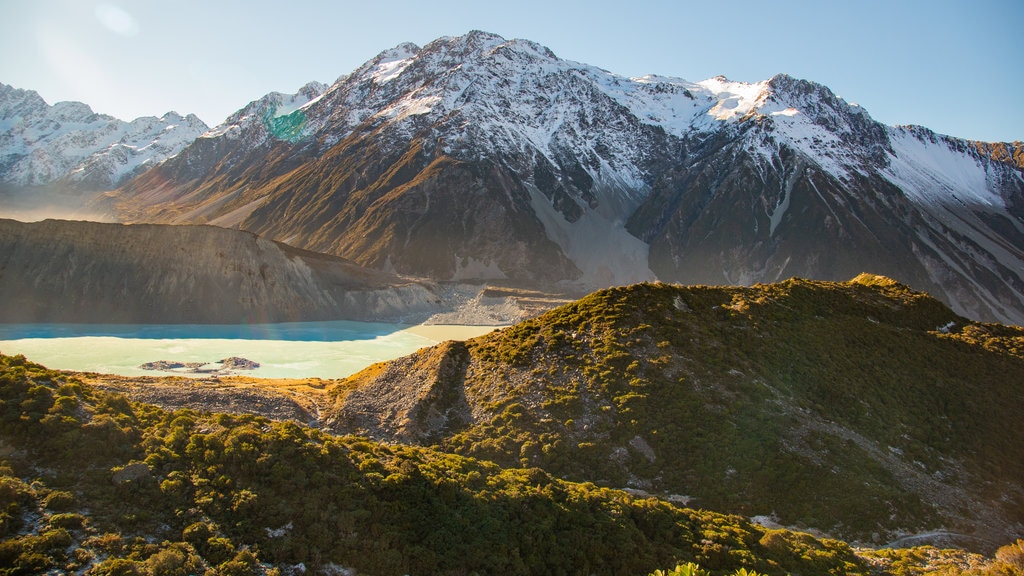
(225, 366)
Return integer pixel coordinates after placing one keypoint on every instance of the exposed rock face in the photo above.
(734, 217)
(417, 399)
(59, 271)
(477, 158)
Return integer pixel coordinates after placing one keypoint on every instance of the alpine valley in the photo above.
(750, 298)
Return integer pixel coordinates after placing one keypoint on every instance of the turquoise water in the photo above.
(286, 331)
(291, 350)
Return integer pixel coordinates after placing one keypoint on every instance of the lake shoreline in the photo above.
(328, 350)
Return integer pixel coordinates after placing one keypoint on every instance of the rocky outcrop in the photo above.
(417, 399)
(225, 366)
(62, 271)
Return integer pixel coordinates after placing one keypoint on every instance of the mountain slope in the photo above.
(62, 271)
(475, 157)
(94, 483)
(862, 409)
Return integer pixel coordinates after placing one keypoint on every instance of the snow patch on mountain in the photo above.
(656, 100)
(840, 138)
(734, 99)
(929, 170)
(800, 132)
(412, 105)
(393, 62)
(306, 96)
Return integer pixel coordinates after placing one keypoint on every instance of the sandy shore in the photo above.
(443, 332)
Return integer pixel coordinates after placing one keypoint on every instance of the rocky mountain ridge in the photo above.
(89, 272)
(480, 158)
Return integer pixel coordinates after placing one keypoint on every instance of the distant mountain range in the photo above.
(481, 159)
(68, 144)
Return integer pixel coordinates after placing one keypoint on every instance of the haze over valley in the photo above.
(497, 311)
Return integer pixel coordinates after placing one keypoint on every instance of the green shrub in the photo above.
(116, 567)
(67, 521)
(58, 500)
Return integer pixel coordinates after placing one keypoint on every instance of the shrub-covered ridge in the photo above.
(95, 484)
(860, 408)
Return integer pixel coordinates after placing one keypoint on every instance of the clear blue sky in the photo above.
(956, 66)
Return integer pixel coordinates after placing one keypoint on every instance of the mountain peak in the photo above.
(16, 101)
(69, 146)
(480, 38)
(73, 111)
(312, 89)
(789, 86)
(387, 65)
(476, 45)
(607, 179)
(530, 47)
(474, 41)
(403, 50)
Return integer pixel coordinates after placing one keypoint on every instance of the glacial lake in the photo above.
(287, 350)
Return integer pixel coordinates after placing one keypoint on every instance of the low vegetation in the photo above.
(863, 409)
(93, 483)
(918, 561)
(753, 400)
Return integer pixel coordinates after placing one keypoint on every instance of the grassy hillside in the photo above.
(860, 408)
(93, 483)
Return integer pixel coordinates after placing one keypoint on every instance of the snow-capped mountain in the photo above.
(71, 146)
(267, 117)
(476, 157)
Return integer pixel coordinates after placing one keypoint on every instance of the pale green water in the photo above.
(297, 350)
